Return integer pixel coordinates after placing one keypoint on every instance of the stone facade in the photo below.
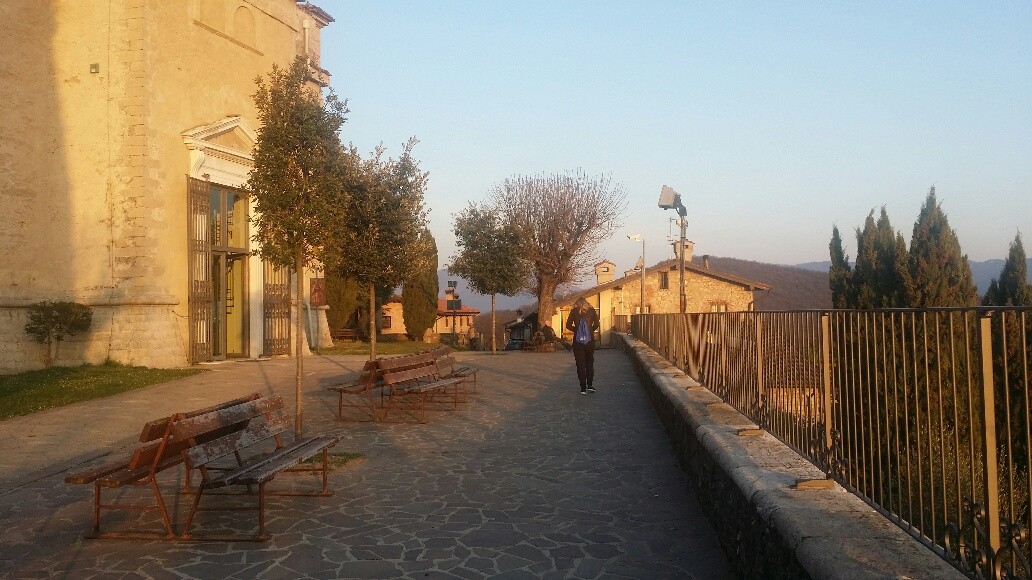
(706, 290)
(109, 109)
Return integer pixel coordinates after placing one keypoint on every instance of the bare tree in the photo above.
(559, 220)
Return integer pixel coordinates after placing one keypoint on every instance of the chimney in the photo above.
(604, 271)
(689, 248)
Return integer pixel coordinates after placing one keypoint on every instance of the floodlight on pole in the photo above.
(670, 199)
(639, 238)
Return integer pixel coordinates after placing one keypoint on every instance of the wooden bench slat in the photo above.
(281, 459)
(426, 387)
(194, 426)
(207, 452)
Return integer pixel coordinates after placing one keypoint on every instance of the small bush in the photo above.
(50, 322)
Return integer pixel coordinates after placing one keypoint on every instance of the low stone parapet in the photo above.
(747, 483)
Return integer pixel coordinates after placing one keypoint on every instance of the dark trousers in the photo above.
(584, 354)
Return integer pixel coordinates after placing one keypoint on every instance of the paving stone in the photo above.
(529, 480)
(368, 569)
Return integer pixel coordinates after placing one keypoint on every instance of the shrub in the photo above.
(50, 322)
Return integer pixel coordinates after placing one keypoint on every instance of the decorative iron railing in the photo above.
(925, 414)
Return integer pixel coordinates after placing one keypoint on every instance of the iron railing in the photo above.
(922, 413)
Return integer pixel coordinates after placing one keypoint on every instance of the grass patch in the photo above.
(31, 391)
(389, 348)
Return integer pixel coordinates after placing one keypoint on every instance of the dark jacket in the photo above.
(591, 317)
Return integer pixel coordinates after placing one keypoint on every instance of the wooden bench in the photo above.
(158, 451)
(265, 422)
(345, 334)
(420, 383)
(448, 367)
(368, 388)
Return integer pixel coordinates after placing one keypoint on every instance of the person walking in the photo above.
(583, 322)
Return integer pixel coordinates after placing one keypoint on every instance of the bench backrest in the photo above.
(422, 373)
(223, 424)
(410, 361)
(166, 448)
(440, 351)
(204, 453)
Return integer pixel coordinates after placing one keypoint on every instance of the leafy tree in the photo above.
(342, 298)
(489, 257)
(377, 240)
(297, 178)
(1012, 287)
(558, 220)
(880, 279)
(840, 274)
(50, 322)
(940, 272)
(419, 295)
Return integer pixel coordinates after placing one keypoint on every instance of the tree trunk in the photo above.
(494, 347)
(546, 300)
(372, 321)
(299, 373)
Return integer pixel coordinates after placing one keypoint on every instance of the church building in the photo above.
(128, 127)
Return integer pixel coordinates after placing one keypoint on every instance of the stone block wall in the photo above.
(746, 485)
(140, 335)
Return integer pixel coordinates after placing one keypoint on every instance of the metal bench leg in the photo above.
(262, 536)
(164, 511)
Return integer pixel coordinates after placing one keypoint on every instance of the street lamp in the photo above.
(639, 238)
(670, 199)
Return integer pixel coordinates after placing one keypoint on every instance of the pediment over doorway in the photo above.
(221, 151)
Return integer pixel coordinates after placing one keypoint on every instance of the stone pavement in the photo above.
(529, 480)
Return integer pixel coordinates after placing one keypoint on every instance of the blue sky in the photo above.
(774, 120)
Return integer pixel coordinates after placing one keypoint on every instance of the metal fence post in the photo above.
(826, 378)
(992, 487)
(761, 399)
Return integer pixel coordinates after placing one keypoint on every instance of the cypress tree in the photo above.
(941, 275)
(880, 279)
(1012, 287)
(419, 294)
(840, 275)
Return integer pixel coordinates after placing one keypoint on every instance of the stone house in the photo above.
(454, 322)
(392, 316)
(128, 129)
(707, 290)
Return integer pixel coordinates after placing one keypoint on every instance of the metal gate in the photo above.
(200, 293)
(276, 299)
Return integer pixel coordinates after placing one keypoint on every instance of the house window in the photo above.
(718, 307)
(386, 323)
(664, 280)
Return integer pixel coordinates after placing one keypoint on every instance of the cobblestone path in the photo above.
(529, 480)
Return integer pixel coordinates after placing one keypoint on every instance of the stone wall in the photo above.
(140, 335)
(747, 486)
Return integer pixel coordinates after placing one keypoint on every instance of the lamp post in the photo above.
(639, 238)
(670, 199)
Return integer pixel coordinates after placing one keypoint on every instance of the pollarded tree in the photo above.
(941, 275)
(489, 257)
(296, 182)
(1012, 287)
(419, 294)
(840, 274)
(378, 240)
(558, 220)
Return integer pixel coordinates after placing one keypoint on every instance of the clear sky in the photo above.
(774, 120)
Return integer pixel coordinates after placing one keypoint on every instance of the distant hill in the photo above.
(792, 287)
